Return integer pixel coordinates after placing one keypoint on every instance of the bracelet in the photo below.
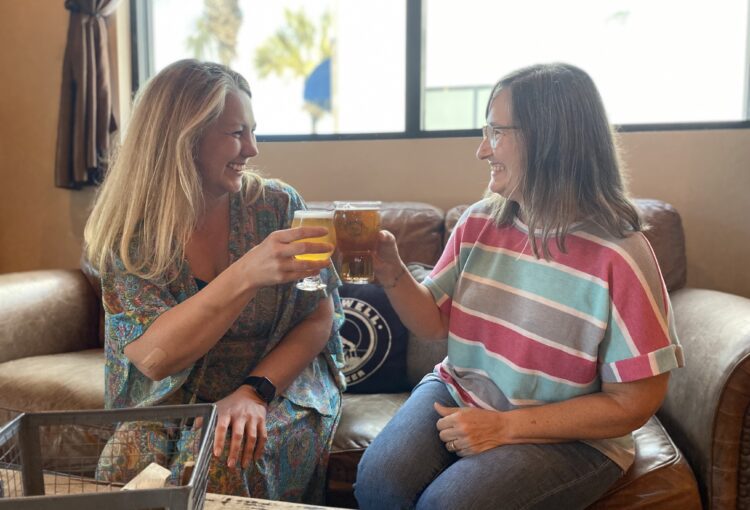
(395, 280)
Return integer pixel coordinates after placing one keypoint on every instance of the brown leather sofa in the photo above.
(51, 358)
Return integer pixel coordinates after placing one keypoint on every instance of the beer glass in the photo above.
(314, 218)
(357, 225)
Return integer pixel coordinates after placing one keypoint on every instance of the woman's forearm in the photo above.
(298, 348)
(614, 412)
(184, 333)
(415, 306)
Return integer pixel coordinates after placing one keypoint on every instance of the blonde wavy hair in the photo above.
(571, 159)
(152, 197)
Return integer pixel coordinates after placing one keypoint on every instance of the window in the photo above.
(416, 68)
(667, 61)
(314, 66)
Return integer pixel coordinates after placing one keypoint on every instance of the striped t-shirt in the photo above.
(527, 331)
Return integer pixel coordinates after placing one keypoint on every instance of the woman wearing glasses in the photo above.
(559, 328)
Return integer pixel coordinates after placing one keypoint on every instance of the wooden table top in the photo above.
(222, 502)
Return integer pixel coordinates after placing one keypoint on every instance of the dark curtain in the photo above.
(87, 117)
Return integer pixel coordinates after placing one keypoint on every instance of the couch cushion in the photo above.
(94, 279)
(374, 341)
(67, 381)
(46, 312)
(422, 356)
(667, 239)
(362, 418)
(659, 478)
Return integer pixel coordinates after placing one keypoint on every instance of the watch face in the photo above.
(265, 388)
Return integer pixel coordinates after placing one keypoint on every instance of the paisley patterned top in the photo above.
(132, 304)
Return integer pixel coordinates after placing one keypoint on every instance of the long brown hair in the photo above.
(572, 168)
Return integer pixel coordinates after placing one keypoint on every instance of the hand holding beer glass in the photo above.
(357, 225)
(314, 218)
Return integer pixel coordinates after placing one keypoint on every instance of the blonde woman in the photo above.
(560, 335)
(197, 262)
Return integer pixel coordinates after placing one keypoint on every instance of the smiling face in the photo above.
(226, 145)
(505, 160)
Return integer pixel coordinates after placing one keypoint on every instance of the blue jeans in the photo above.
(407, 466)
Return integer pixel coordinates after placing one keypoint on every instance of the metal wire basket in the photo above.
(84, 459)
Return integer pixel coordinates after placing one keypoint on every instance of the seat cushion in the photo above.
(362, 418)
(58, 382)
(659, 478)
(67, 381)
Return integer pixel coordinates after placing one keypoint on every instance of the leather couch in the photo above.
(695, 452)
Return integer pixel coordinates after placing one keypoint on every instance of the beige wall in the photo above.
(705, 174)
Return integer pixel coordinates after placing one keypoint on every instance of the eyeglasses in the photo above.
(495, 133)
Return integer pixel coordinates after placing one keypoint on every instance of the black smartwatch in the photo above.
(262, 386)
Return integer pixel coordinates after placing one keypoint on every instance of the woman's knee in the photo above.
(375, 489)
(385, 479)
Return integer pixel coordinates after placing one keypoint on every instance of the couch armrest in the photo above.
(46, 312)
(705, 410)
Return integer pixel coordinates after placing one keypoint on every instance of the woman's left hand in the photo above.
(244, 413)
(468, 430)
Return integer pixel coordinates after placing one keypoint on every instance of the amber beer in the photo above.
(315, 218)
(357, 225)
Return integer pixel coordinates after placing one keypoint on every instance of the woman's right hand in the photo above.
(273, 261)
(387, 262)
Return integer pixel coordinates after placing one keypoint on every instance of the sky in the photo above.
(653, 61)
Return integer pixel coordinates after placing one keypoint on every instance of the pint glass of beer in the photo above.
(357, 226)
(314, 218)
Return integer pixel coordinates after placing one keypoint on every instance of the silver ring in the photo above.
(451, 445)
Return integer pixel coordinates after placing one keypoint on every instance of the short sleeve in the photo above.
(131, 304)
(640, 339)
(442, 280)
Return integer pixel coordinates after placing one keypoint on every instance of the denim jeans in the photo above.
(407, 466)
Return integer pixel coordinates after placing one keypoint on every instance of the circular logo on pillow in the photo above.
(366, 337)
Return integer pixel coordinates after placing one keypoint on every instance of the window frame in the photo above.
(142, 65)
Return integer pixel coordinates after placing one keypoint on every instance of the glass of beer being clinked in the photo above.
(357, 226)
(314, 218)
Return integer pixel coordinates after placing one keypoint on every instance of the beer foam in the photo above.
(358, 206)
(313, 214)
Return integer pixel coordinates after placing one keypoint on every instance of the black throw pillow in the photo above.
(375, 341)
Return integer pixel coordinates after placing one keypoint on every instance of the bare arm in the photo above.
(244, 411)
(181, 335)
(298, 348)
(617, 410)
(412, 301)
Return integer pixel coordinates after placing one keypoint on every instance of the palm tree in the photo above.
(216, 31)
(295, 50)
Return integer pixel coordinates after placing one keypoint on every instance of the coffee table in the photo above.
(222, 502)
